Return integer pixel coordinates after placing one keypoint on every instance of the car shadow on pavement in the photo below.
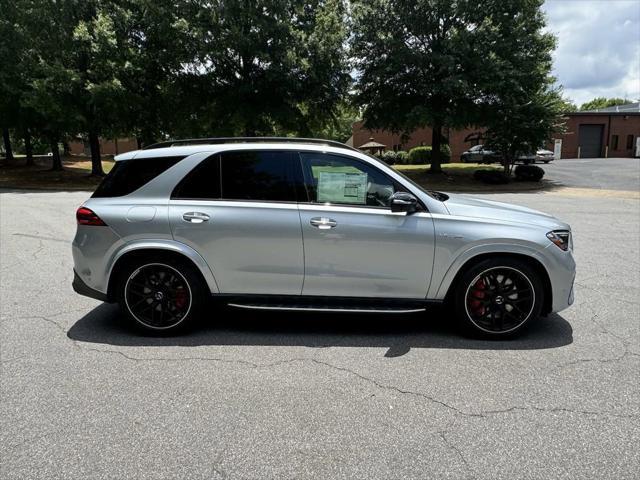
(398, 333)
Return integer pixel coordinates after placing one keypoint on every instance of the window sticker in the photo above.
(340, 187)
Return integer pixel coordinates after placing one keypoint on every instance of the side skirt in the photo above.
(326, 304)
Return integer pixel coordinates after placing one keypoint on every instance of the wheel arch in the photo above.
(531, 260)
(158, 250)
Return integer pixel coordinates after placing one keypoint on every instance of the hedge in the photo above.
(422, 155)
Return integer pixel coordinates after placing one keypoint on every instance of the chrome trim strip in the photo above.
(312, 309)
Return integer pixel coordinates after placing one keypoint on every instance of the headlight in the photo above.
(562, 238)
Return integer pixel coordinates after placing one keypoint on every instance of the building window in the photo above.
(614, 142)
(629, 142)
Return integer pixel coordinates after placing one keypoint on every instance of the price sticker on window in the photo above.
(340, 187)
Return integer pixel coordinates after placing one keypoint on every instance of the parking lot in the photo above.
(253, 395)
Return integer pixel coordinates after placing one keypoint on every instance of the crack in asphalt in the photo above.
(626, 344)
(370, 380)
(462, 458)
(41, 237)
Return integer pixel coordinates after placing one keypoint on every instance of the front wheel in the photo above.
(161, 297)
(498, 297)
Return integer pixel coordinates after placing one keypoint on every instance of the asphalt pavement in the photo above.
(601, 173)
(252, 395)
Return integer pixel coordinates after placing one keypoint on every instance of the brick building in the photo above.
(107, 146)
(608, 132)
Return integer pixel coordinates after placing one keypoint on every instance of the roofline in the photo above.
(613, 114)
(225, 140)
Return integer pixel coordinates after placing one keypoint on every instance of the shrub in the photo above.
(421, 155)
(492, 177)
(402, 157)
(529, 173)
(392, 158)
(389, 157)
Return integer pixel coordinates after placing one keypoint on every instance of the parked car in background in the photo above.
(544, 155)
(480, 154)
(308, 225)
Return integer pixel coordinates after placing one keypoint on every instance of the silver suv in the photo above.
(299, 224)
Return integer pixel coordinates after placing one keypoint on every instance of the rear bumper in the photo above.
(83, 289)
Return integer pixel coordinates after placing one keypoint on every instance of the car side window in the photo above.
(340, 180)
(201, 183)
(259, 175)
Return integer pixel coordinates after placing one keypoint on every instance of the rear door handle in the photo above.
(323, 223)
(195, 217)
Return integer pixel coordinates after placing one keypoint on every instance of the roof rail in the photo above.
(221, 140)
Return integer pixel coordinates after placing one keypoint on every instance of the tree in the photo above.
(519, 105)
(268, 67)
(413, 61)
(602, 102)
(9, 77)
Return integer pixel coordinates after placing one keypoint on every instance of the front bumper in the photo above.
(562, 274)
(83, 289)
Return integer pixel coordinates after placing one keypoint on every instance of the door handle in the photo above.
(323, 223)
(195, 217)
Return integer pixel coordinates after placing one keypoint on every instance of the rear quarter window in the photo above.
(127, 176)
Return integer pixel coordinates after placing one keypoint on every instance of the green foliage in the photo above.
(423, 155)
(520, 106)
(270, 67)
(453, 63)
(529, 173)
(414, 60)
(602, 102)
(395, 158)
(165, 68)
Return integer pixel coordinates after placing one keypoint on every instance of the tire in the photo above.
(483, 304)
(547, 161)
(161, 296)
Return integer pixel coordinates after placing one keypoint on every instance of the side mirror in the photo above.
(403, 202)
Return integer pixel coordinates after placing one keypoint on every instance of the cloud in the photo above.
(598, 51)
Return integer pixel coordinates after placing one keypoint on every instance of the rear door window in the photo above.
(273, 176)
(127, 176)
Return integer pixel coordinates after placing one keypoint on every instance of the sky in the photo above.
(598, 52)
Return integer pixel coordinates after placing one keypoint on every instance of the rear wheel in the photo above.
(161, 297)
(498, 297)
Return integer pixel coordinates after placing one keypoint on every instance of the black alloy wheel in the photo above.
(158, 296)
(500, 299)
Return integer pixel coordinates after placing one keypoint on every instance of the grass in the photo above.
(458, 177)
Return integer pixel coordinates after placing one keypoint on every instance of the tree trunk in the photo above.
(436, 141)
(28, 147)
(96, 162)
(139, 143)
(66, 148)
(7, 145)
(57, 161)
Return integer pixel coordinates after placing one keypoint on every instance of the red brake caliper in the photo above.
(477, 294)
(181, 298)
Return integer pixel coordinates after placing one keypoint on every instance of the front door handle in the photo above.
(323, 223)
(195, 217)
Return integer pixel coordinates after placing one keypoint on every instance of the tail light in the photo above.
(86, 216)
